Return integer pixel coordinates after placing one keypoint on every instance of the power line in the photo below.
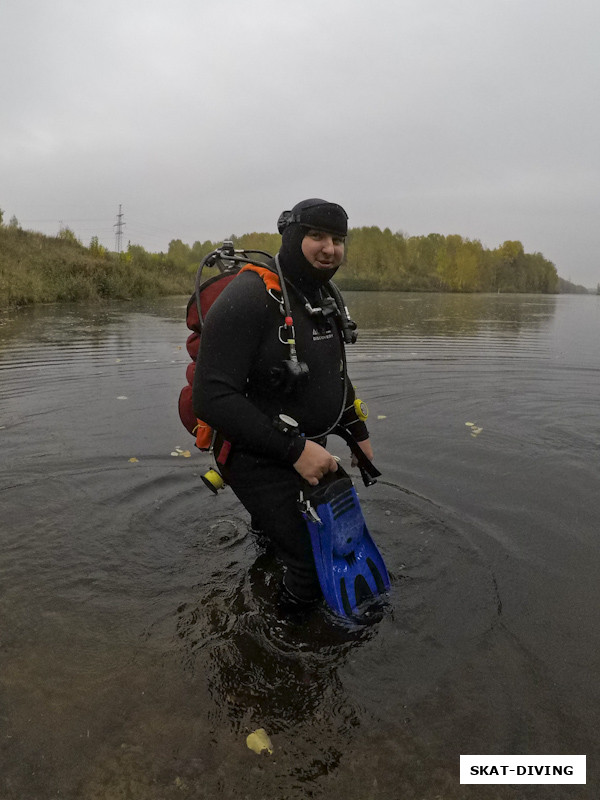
(32, 221)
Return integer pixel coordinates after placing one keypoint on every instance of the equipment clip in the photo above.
(289, 333)
(271, 293)
(307, 509)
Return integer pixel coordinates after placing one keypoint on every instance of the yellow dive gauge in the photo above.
(362, 411)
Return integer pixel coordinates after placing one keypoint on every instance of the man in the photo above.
(246, 379)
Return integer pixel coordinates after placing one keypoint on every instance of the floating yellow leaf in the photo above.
(469, 424)
(476, 431)
(259, 742)
(179, 451)
(121, 397)
(381, 416)
(133, 460)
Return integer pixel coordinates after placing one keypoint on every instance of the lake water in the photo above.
(140, 634)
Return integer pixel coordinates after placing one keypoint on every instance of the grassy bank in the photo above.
(41, 269)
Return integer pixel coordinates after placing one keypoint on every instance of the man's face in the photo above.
(323, 250)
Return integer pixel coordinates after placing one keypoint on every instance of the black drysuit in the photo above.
(234, 391)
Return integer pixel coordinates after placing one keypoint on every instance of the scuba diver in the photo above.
(271, 379)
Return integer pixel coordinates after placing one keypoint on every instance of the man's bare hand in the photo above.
(315, 462)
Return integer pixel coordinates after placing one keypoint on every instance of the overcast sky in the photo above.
(208, 117)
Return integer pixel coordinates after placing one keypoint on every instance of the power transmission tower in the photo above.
(119, 225)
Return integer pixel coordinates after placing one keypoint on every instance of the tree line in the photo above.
(381, 260)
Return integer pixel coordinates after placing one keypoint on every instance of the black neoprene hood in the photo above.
(318, 214)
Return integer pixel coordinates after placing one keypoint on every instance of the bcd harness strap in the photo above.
(270, 278)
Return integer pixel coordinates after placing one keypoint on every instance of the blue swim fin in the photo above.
(349, 565)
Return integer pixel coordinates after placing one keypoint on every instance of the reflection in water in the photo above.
(83, 330)
(450, 315)
(425, 327)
